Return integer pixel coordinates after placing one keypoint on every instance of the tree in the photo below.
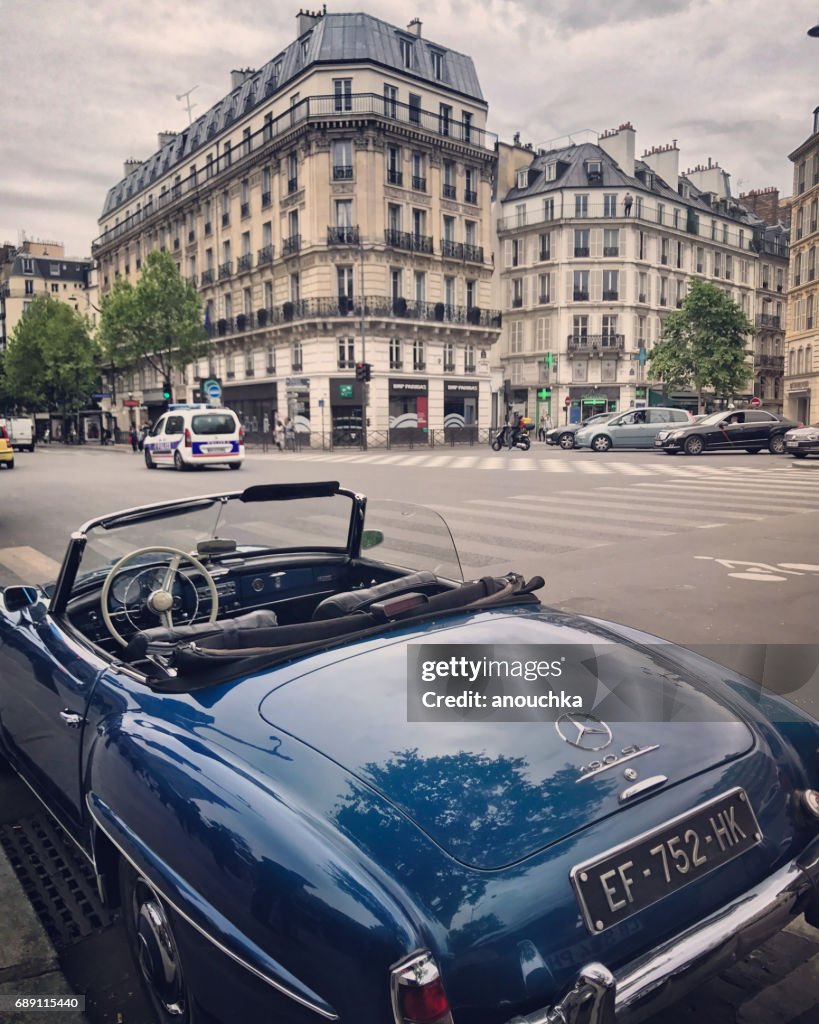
(704, 344)
(52, 360)
(158, 321)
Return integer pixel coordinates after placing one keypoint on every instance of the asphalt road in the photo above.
(720, 553)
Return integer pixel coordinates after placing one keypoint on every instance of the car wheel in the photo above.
(10, 464)
(235, 465)
(694, 445)
(566, 441)
(753, 451)
(799, 455)
(601, 443)
(149, 462)
(177, 462)
(149, 930)
(776, 445)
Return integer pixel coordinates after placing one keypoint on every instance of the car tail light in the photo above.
(188, 441)
(241, 435)
(418, 995)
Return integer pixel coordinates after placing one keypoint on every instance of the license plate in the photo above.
(218, 448)
(792, 444)
(626, 880)
(658, 442)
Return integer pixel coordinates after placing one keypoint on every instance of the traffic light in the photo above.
(167, 394)
(363, 372)
(368, 372)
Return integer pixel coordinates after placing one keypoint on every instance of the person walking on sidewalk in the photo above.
(278, 435)
(134, 439)
(289, 435)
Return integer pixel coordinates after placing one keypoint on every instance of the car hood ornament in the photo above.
(583, 731)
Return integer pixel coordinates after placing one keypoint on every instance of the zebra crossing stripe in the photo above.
(577, 510)
(621, 502)
(465, 513)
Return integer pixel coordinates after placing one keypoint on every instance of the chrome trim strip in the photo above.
(616, 764)
(642, 787)
(273, 982)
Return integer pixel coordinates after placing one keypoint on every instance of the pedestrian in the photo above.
(545, 426)
(628, 200)
(278, 435)
(142, 435)
(289, 435)
(265, 432)
(133, 438)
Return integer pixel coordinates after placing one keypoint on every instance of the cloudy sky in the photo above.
(89, 83)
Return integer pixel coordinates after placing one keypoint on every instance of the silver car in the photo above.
(636, 428)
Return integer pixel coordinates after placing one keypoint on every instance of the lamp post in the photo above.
(365, 387)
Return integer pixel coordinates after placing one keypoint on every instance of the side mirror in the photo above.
(371, 539)
(18, 598)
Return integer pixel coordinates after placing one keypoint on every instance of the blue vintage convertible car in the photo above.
(216, 700)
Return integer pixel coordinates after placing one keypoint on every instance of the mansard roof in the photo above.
(333, 39)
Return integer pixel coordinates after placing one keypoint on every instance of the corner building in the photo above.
(595, 248)
(333, 208)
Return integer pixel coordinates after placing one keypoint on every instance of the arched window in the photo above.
(800, 355)
(791, 362)
(808, 359)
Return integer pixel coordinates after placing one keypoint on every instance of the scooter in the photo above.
(521, 440)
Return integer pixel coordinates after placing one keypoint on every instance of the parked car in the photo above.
(636, 428)
(748, 430)
(6, 451)
(563, 436)
(20, 430)
(215, 701)
(800, 442)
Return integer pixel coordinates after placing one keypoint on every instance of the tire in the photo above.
(753, 451)
(149, 462)
(235, 465)
(525, 443)
(694, 445)
(672, 451)
(154, 950)
(178, 464)
(601, 443)
(799, 455)
(566, 441)
(496, 445)
(776, 445)
(10, 465)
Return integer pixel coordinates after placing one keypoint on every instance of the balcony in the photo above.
(225, 269)
(517, 302)
(176, 243)
(244, 210)
(419, 183)
(191, 236)
(597, 344)
(452, 250)
(192, 280)
(664, 259)
(208, 228)
(225, 220)
(544, 254)
(449, 367)
(581, 251)
(244, 322)
(775, 363)
(610, 296)
(473, 253)
(342, 172)
(470, 196)
(544, 299)
(579, 295)
(611, 250)
(291, 245)
(343, 235)
(265, 200)
(406, 240)
(642, 297)
(450, 192)
(292, 185)
(244, 262)
(264, 256)
(418, 365)
(469, 368)
(207, 277)
(395, 177)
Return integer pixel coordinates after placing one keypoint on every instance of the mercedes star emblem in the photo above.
(583, 731)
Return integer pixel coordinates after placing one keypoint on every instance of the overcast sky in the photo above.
(89, 83)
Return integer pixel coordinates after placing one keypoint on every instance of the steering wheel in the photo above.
(160, 600)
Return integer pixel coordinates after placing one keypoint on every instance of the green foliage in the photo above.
(704, 344)
(51, 359)
(158, 321)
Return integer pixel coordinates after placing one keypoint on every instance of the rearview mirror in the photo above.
(371, 539)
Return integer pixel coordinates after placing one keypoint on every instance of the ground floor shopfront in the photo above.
(802, 399)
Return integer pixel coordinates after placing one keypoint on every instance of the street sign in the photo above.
(755, 402)
(321, 403)
(102, 394)
(212, 389)
(567, 400)
(303, 383)
(131, 403)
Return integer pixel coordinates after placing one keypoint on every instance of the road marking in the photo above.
(786, 1000)
(29, 564)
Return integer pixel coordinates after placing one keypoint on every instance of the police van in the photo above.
(195, 435)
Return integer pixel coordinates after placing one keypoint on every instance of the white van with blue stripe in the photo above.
(195, 435)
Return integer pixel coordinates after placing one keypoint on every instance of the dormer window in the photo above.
(305, 46)
(594, 171)
(551, 170)
(523, 178)
(406, 52)
(437, 64)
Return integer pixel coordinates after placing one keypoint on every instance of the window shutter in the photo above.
(507, 252)
(596, 285)
(596, 241)
(569, 286)
(568, 234)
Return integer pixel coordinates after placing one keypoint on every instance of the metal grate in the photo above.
(57, 879)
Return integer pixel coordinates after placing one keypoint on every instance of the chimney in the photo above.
(711, 179)
(619, 143)
(307, 19)
(163, 138)
(237, 78)
(130, 165)
(415, 24)
(665, 162)
(764, 202)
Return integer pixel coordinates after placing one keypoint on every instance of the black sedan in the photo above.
(731, 430)
(803, 441)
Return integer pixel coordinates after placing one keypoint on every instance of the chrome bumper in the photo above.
(659, 978)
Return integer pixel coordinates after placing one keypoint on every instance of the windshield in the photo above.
(313, 523)
(410, 536)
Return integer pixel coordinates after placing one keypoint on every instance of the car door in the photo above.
(43, 703)
(734, 431)
(758, 425)
(658, 419)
